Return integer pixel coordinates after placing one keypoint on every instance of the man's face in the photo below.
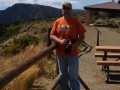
(66, 11)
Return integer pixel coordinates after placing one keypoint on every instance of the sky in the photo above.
(76, 4)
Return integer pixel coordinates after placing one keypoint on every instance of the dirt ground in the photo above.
(90, 73)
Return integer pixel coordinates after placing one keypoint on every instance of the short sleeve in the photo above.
(81, 29)
(54, 29)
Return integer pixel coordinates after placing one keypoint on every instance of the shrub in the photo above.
(6, 33)
(100, 21)
(18, 44)
(113, 22)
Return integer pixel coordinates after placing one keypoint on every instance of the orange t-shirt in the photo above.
(67, 29)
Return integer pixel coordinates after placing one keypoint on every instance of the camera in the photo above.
(68, 46)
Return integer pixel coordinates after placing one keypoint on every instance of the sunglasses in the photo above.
(66, 8)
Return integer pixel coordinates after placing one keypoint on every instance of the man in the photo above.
(68, 33)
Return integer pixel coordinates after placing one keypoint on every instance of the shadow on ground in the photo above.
(83, 83)
(114, 77)
(86, 49)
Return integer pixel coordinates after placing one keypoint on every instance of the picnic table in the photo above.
(107, 52)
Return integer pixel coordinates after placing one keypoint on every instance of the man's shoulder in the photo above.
(60, 18)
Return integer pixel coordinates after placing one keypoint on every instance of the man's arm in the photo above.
(57, 40)
(80, 39)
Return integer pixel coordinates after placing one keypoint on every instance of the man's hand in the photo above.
(74, 45)
(63, 41)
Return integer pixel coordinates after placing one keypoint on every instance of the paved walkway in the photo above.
(90, 73)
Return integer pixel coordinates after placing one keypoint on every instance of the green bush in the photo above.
(18, 44)
(6, 33)
(100, 21)
(113, 22)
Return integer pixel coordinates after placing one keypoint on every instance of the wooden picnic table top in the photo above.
(108, 48)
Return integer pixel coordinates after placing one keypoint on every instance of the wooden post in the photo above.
(49, 42)
(97, 38)
(98, 32)
(89, 17)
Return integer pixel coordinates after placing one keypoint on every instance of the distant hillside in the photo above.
(23, 12)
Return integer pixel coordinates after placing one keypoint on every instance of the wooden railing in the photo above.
(9, 74)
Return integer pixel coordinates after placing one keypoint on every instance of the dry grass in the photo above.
(25, 80)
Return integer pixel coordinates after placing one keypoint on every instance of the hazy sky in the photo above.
(77, 4)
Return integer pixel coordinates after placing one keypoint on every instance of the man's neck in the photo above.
(66, 17)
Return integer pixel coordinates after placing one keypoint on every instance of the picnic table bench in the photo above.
(107, 52)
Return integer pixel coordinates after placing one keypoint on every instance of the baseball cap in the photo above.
(67, 4)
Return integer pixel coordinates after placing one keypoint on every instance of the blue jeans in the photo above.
(68, 69)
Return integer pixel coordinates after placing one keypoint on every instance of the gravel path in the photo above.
(90, 72)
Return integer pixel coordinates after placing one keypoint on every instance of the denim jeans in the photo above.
(68, 69)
